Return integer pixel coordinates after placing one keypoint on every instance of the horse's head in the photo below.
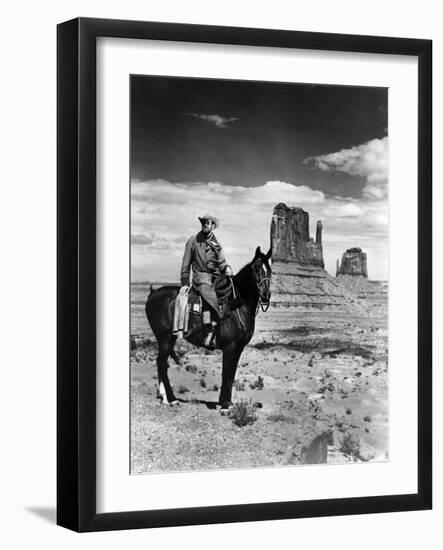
(261, 271)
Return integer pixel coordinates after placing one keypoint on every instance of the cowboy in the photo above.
(204, 254)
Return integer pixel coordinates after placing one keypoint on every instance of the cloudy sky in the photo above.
(236, 149)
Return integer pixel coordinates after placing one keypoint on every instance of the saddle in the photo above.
(197, 304)
(226, 294)
(189, 307)
(223, 289)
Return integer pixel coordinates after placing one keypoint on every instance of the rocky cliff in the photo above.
(290, 237)
(353, 262)
(299, 280)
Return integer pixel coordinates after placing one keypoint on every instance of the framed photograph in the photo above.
(244, 274)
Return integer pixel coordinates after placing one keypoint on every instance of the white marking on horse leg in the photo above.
(162, 393)
(226, 410)
(163, 396)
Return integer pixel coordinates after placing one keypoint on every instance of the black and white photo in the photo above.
(259, 274)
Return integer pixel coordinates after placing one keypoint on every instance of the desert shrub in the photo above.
(137, 342)
(182, 389)
(367, 419)
(239, 386)
(191, 368)
(215, 387)
(202, 382)
(326, 374)
(243, 413)
(350, 446)
(348, 411)
(258, 384)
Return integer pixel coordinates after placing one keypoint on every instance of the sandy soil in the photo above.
(322, 375)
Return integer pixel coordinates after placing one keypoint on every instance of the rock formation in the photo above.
(299, 279)
(292, 245)
(352, 275)
(353, 262)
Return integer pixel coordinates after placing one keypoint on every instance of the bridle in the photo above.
(261, 304)
(264, 306)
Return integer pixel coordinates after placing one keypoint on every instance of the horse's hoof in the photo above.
(170, 403)
(225, 408)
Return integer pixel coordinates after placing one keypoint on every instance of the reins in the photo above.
(264, 306)
(236, 310)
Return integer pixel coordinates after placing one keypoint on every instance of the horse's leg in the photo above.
(172, 351)
(164, 386)
(231, 355)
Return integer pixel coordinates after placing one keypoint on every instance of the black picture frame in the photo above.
(76, 280)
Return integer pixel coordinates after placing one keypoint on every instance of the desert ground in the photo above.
(309, 380)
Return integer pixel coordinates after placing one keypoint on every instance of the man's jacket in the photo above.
(205, 256)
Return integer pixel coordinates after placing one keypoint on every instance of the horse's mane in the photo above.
(243, 280)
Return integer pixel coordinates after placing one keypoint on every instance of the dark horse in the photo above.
(252, 284)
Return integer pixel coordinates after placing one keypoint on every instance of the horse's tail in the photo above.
(151, 290)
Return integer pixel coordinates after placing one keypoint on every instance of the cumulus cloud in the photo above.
(166, 214)
(368, 160)
(140, 239)
(216, 120)
(157, 242)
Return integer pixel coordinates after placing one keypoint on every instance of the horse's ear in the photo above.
(257, 252)
(268, 255)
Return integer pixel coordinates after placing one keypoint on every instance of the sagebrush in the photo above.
(243, 413)
(350, 446)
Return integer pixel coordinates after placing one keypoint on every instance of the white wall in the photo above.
(27, 223)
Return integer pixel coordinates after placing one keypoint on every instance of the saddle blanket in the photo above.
(189, 306)
(187, 303)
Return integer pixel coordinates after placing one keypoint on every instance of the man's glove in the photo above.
(228, 271)
(184, 289)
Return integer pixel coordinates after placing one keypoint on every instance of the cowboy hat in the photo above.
(209, 217)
